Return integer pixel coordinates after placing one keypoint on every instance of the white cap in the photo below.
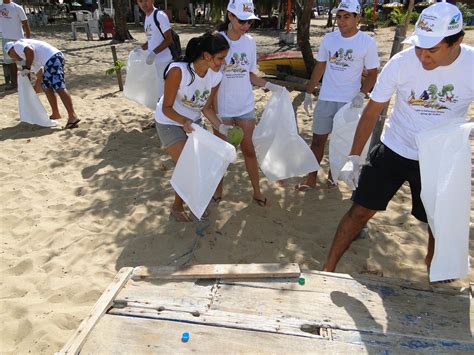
(436, 22)
(349, 6)
(242, 9)
(8, 46)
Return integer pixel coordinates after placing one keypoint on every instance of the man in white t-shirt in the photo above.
(13, 26)
(433, 82)
(47, 62)
(342, 57)
(157, 41)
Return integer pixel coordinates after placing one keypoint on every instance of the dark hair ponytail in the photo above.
(210, 42)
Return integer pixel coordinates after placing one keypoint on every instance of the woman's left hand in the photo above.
(187, 126)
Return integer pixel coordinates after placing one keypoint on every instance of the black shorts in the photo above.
(383, 175)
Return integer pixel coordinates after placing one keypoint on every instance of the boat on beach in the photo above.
(289, 62)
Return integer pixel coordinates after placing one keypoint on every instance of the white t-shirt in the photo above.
(154, 36)
(42, 50)
(190, 98)
(345, 59)
(424, 97)
(11, 16)
(235, 95)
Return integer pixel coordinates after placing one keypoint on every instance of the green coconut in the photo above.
(235, 135)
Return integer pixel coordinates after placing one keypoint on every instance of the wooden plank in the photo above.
(348, 304)
(74, 344)
(126, 335)
(168, 294)
(291, 327)
(214, 271)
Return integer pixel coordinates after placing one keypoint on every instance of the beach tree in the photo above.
(121, 31)
(303, 11)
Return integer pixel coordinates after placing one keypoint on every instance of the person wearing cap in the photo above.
(47, 62)
(158, 40)
(342, 57)
(433, 83)
(235, 100)
(13, 26)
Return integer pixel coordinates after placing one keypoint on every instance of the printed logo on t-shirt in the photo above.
(148, 31)
(198, 100)
(433, 98)
(4, 12)
(341, 58)
(237, 63)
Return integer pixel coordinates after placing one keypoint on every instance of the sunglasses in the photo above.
(243, 22)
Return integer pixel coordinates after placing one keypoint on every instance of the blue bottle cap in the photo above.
(185, 337)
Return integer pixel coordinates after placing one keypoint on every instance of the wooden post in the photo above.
(118, 72)
(288, 17)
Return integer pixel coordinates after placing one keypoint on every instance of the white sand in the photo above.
(77, 205)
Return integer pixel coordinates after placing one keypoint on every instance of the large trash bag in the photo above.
(342, 136)
(445, 166)
(281, 152)
(30, 107)
(200, 167)
(141, 82)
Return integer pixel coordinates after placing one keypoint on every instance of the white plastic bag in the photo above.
(281, 152)
(30, 107)
(445, 166)
(342, 136)
(200, 167)
(141, 82)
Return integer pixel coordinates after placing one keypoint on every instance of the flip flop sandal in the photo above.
(331, 184)
(217, 199)
(180, 216)
(260, 202)
(303, 187)
(71, 125)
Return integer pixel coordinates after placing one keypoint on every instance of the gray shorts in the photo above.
(171, 134)
(245, 117)
(323, 116)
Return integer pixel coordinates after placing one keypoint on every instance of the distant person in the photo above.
(342, 57)
(47, 62)
(158, 39)
(236, 104)
(190, 88)
(433, 82)
(13, 26)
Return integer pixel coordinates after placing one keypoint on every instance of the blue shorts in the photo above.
(245, 117)
(53, 73)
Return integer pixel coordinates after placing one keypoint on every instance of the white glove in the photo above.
(350, 171)
(358, 100)
(224, 129)
(150, 59)
(308, 103)
(25, 72)
(273, 87)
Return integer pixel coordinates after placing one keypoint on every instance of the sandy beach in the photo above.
(78, 205)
